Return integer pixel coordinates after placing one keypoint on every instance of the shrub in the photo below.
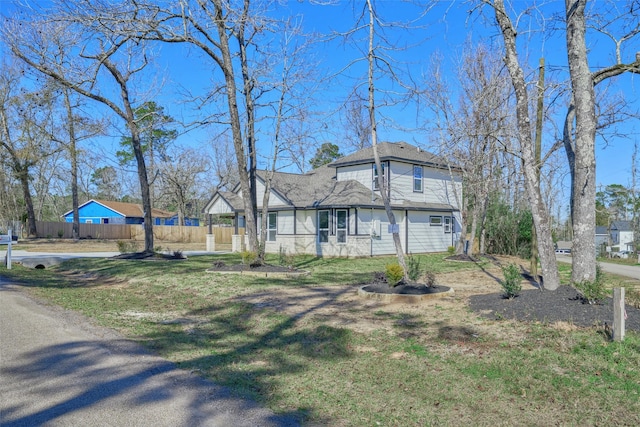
(429, 278)
(394, 274)
(592, 291)
(127, 246)
(633, 297)
(60, 233)
(451, 250)
(177, 254)
(413, 267)
(248, 257)
(285, 259)
(511, 285)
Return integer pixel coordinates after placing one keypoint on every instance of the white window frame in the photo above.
(272, 226)
(435, 220)
(374, 172)
(341, 232)
(418, 180)
(88, 221)
(447, 224)
(326, 229)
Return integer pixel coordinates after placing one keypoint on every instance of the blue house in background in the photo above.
(108, 212)
(195, 222)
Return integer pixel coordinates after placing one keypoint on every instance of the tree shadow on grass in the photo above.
(90, 376)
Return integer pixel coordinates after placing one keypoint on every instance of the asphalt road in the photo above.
(56, 369)
(610, 267)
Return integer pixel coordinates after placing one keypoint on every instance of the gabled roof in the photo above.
(400, 151)
(319, 189)
(621, 225)
(128, 210)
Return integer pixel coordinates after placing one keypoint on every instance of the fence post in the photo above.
(619, 314)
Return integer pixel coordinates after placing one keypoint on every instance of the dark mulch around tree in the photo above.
(406, 289)
(150, 256)
(380, 285)
(561, 305)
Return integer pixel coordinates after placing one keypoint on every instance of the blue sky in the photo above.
(444, 28)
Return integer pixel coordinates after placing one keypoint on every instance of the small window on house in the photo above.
(375, 177)
(88, 221)
(323, 226)
(447, 224)
(435, 220)
(272, 226)
(417, 179)
(341, 226)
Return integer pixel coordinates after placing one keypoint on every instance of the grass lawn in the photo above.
(310, 347)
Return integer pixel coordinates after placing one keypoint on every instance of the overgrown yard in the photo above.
(311, 347)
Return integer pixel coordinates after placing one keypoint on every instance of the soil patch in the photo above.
(561, 305)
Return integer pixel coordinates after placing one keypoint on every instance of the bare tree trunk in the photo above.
(533, 267)
(384, 191)
(23, 176)
(584, 173)
(538, 209)
(226, 65)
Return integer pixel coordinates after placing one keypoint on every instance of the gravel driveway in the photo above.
(59, 370)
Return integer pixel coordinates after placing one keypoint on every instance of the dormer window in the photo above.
(417, 179)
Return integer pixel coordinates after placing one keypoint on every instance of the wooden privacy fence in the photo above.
(64, 230)
(170, 233)
(223, 234)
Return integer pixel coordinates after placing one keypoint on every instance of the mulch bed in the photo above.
(405, 289)
(561, 305)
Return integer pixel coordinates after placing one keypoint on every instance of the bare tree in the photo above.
(25, 131)
(581, 123)
(108, 56)
(357, 126)
(372, 57)
(530, 166)
(475, 132)
(179, 177)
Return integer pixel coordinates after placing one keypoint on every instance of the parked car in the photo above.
(621, 254)
(563, 251)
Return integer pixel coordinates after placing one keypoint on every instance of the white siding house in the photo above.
(337, 209)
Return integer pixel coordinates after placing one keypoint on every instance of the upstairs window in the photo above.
(375, 177)
(417, 179)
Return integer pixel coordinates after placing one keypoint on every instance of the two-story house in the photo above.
(336, 210)
(622, 235)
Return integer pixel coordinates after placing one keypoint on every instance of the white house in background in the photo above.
(622, 235)
(336, 210)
